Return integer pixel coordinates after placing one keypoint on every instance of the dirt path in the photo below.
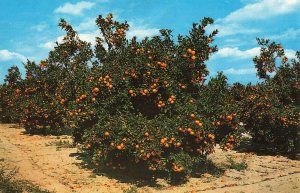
(40, 162)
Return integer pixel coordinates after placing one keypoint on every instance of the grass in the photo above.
(132, 189)
(207, 167)
(239, 166)
(8, 184)
(61, 144)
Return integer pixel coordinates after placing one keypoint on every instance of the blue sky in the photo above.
(29, 28)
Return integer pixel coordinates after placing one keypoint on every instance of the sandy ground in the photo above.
(58, 170)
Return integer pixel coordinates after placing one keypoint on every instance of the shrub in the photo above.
(271, 108)
(217, 101)
(10, 96)
(53, 86)
(146, 95)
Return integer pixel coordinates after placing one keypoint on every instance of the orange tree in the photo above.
(217, 101)
(133, 103)
(10, 96)
(144, 100)
(53, 85)
(270, 109)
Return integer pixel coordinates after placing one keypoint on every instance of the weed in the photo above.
(239, 166)
(132, 189)
(61, 144)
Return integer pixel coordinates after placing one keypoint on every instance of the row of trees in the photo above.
(147, 103)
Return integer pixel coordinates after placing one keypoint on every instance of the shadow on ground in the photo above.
(248, 146)
(139, 176)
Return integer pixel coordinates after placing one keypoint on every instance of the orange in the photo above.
(163, 65)
(96, 89)
(154, 90)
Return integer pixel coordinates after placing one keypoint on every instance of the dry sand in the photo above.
(60, 171)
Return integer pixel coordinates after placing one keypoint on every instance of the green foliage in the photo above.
(131, 190)
(239, 166)
(217, 101)
(270, 109)
(10, 96)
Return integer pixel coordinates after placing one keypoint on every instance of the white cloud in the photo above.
(6, 55)
(89, 37)
(47, 45)
(237, 53)
(50, 44)
(290, 34)
(141, 30)
(234, 23)
(90, 33)
(290, 53)
(88, 24)
(262, 10)
(39, 27)
(241, 71)
(232, 29)
(74, 9)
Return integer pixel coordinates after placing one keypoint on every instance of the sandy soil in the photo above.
(40, 162)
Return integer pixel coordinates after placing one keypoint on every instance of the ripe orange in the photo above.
(88, 145)
(96, 89)
(106, 133)
(163, 65)
(154, 90)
